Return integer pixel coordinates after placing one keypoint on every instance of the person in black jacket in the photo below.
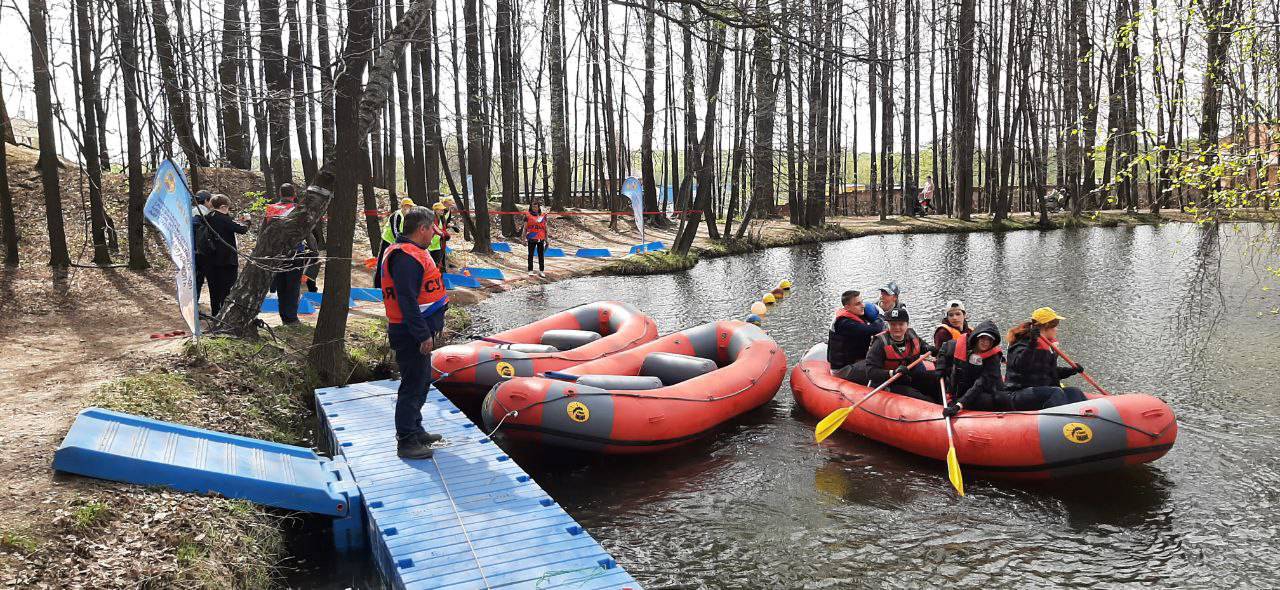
(971, 369)
(224, 262)
(1034, 376)
(850, 334)
(891, 352)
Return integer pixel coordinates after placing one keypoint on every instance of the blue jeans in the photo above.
(1045, 397)
(415, 372)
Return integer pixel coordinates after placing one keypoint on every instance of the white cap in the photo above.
(956, 304)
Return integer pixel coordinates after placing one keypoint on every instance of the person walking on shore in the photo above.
(415, 301)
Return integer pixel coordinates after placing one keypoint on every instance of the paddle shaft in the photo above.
(942, 384)
(953, 463)
(1073, 364)
(892, 378)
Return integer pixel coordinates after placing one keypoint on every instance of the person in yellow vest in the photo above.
(390, 232)
(438, 243)
(415, 301)
(955, 323)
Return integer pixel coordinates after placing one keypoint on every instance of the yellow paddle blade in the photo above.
(831, 423)
(953, 471)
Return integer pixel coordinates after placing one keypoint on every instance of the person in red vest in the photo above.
(971, 367)
(414, 298)
(535, 234)
(851, 332)
(891, 352)
(954, 324)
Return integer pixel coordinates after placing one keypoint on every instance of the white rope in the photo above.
(458, 515)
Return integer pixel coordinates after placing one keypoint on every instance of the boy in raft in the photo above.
(971, 367)
(955, 323)
(1034, 374)
(850, 334)
(891, 352)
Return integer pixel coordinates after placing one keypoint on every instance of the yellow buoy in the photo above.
(786, 284)
(769, 299)
(759, 309)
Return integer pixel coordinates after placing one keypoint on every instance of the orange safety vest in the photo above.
(431, 295)
(962, 351)
(536, 226)
(891, 357)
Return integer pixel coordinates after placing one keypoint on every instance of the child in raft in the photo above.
(955, 323)
(891, 352)
(970, 365)
(1033, 371)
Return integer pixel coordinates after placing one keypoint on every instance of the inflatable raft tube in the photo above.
(585, 333)
(654, 397)
(1100, 434)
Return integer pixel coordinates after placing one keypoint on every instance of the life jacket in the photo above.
(441, 235)
(391, 231)
(844, 313)
(275, 210)
(535, 227)
(892, 358)
(431, 294)
(955, 334)
(962, 352)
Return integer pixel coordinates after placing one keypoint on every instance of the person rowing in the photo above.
(892, 353)
(971, 367)
(1033, 378)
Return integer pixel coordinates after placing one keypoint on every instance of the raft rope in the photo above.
(557, 356)
(458, 514)
(990, 414)
(708, 399)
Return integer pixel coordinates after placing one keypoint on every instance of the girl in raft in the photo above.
(971, 367)
(954, 324)
(1033, 371)
(535, 233)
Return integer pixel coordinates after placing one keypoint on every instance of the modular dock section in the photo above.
(468, 517)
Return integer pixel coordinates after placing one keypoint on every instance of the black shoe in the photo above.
(413, 447)
(428, 438)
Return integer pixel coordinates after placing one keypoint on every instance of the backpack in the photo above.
(205, 240)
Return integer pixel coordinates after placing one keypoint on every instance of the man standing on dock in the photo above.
(415, 301)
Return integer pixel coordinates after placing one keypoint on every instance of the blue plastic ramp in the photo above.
(501, 247)
(366, 294)
(272, 305)
(453, 281)
(133, 449)
(491, 274)
(593, 253)
(650, 247)
(317, 299)
(553, 253)
(467, 518)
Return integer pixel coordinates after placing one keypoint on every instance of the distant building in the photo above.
(24, 132)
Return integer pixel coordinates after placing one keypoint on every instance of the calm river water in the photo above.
(758, 505)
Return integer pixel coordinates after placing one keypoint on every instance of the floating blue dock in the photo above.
(468, 517)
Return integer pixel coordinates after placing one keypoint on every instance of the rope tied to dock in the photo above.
(458, 515)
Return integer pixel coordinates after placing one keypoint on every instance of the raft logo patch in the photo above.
(1077, 433)
(505, 370)
(578, 412)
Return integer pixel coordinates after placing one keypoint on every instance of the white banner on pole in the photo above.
(632, 189)
(169, 210)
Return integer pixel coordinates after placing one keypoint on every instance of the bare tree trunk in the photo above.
(327, 131)
(233, 38)
(59, 258)
(766, 97)
(175, 95)
(328, 352)
(277, 81)
(298, 89)
(559, 108)
(8, 225)
(506, 63)
(280, 237)
(89, 134)
(963, 132)
(479, 155)
(648, 178)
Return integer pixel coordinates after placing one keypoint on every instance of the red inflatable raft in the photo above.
(1103, 433)
(571, 337)
(654, 397)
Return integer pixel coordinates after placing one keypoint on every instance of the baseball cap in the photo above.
(956, 304)
(407, 201)
(891, 288)
(898, 314)
(1045, 315)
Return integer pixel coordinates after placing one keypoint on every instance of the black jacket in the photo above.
(848, 339)
(974, 380)
(224, 244)
(1033, 364)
